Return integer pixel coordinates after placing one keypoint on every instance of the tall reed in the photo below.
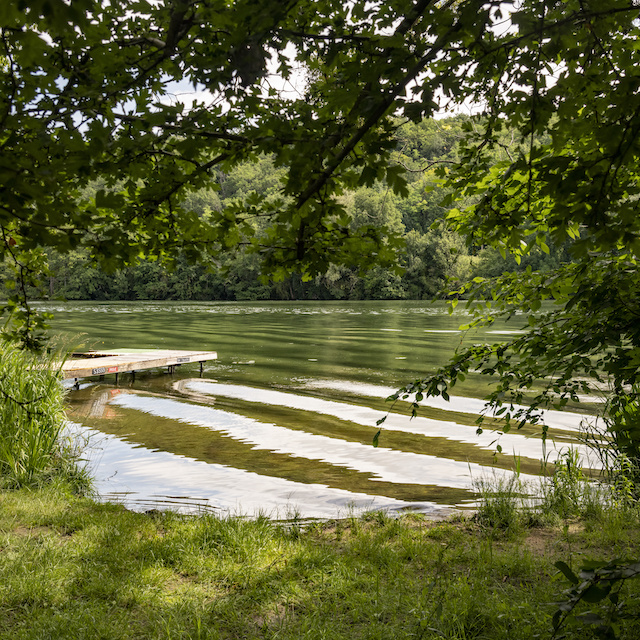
(31, 418)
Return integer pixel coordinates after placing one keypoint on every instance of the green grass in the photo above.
(72, 568)
(32, 418)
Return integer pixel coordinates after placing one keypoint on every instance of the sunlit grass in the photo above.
(71, 568)
(562, 492)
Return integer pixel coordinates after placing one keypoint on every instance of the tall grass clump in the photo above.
(568, 492)
(617, 445)
(32, 419)
(502, 502)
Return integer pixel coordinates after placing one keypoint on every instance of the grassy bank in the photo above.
(71, 568)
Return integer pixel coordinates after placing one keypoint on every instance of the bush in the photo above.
(32, 418)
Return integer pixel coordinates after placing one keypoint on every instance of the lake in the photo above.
(282, 423)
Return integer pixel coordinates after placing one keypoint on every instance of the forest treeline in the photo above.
(426, 255)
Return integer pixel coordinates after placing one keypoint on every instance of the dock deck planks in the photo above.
(102, 363)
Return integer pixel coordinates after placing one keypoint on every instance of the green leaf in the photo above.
(566, 571)
(595, 593)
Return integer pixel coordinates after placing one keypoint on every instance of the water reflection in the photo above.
(220, 437)
(285, 418)
(527, 447)
(557, 421)
(145, 479)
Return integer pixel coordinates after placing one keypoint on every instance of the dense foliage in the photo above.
(424, 259)
(87, 92)
(564, 81)
(90, 95)
(317, 88)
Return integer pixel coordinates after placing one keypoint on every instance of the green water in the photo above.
(283, 421)
(365, 341)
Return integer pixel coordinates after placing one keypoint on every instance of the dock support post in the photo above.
(117, 378)
(133, 376)
(76, 384)
(201, 365)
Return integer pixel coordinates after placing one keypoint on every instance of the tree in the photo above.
(565, 78)
(430, 260)
(84, 95)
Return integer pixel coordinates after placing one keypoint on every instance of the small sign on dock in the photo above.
(99, 363)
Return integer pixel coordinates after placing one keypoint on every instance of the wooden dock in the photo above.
(100, 363)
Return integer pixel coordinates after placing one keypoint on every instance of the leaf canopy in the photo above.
(90, 91)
